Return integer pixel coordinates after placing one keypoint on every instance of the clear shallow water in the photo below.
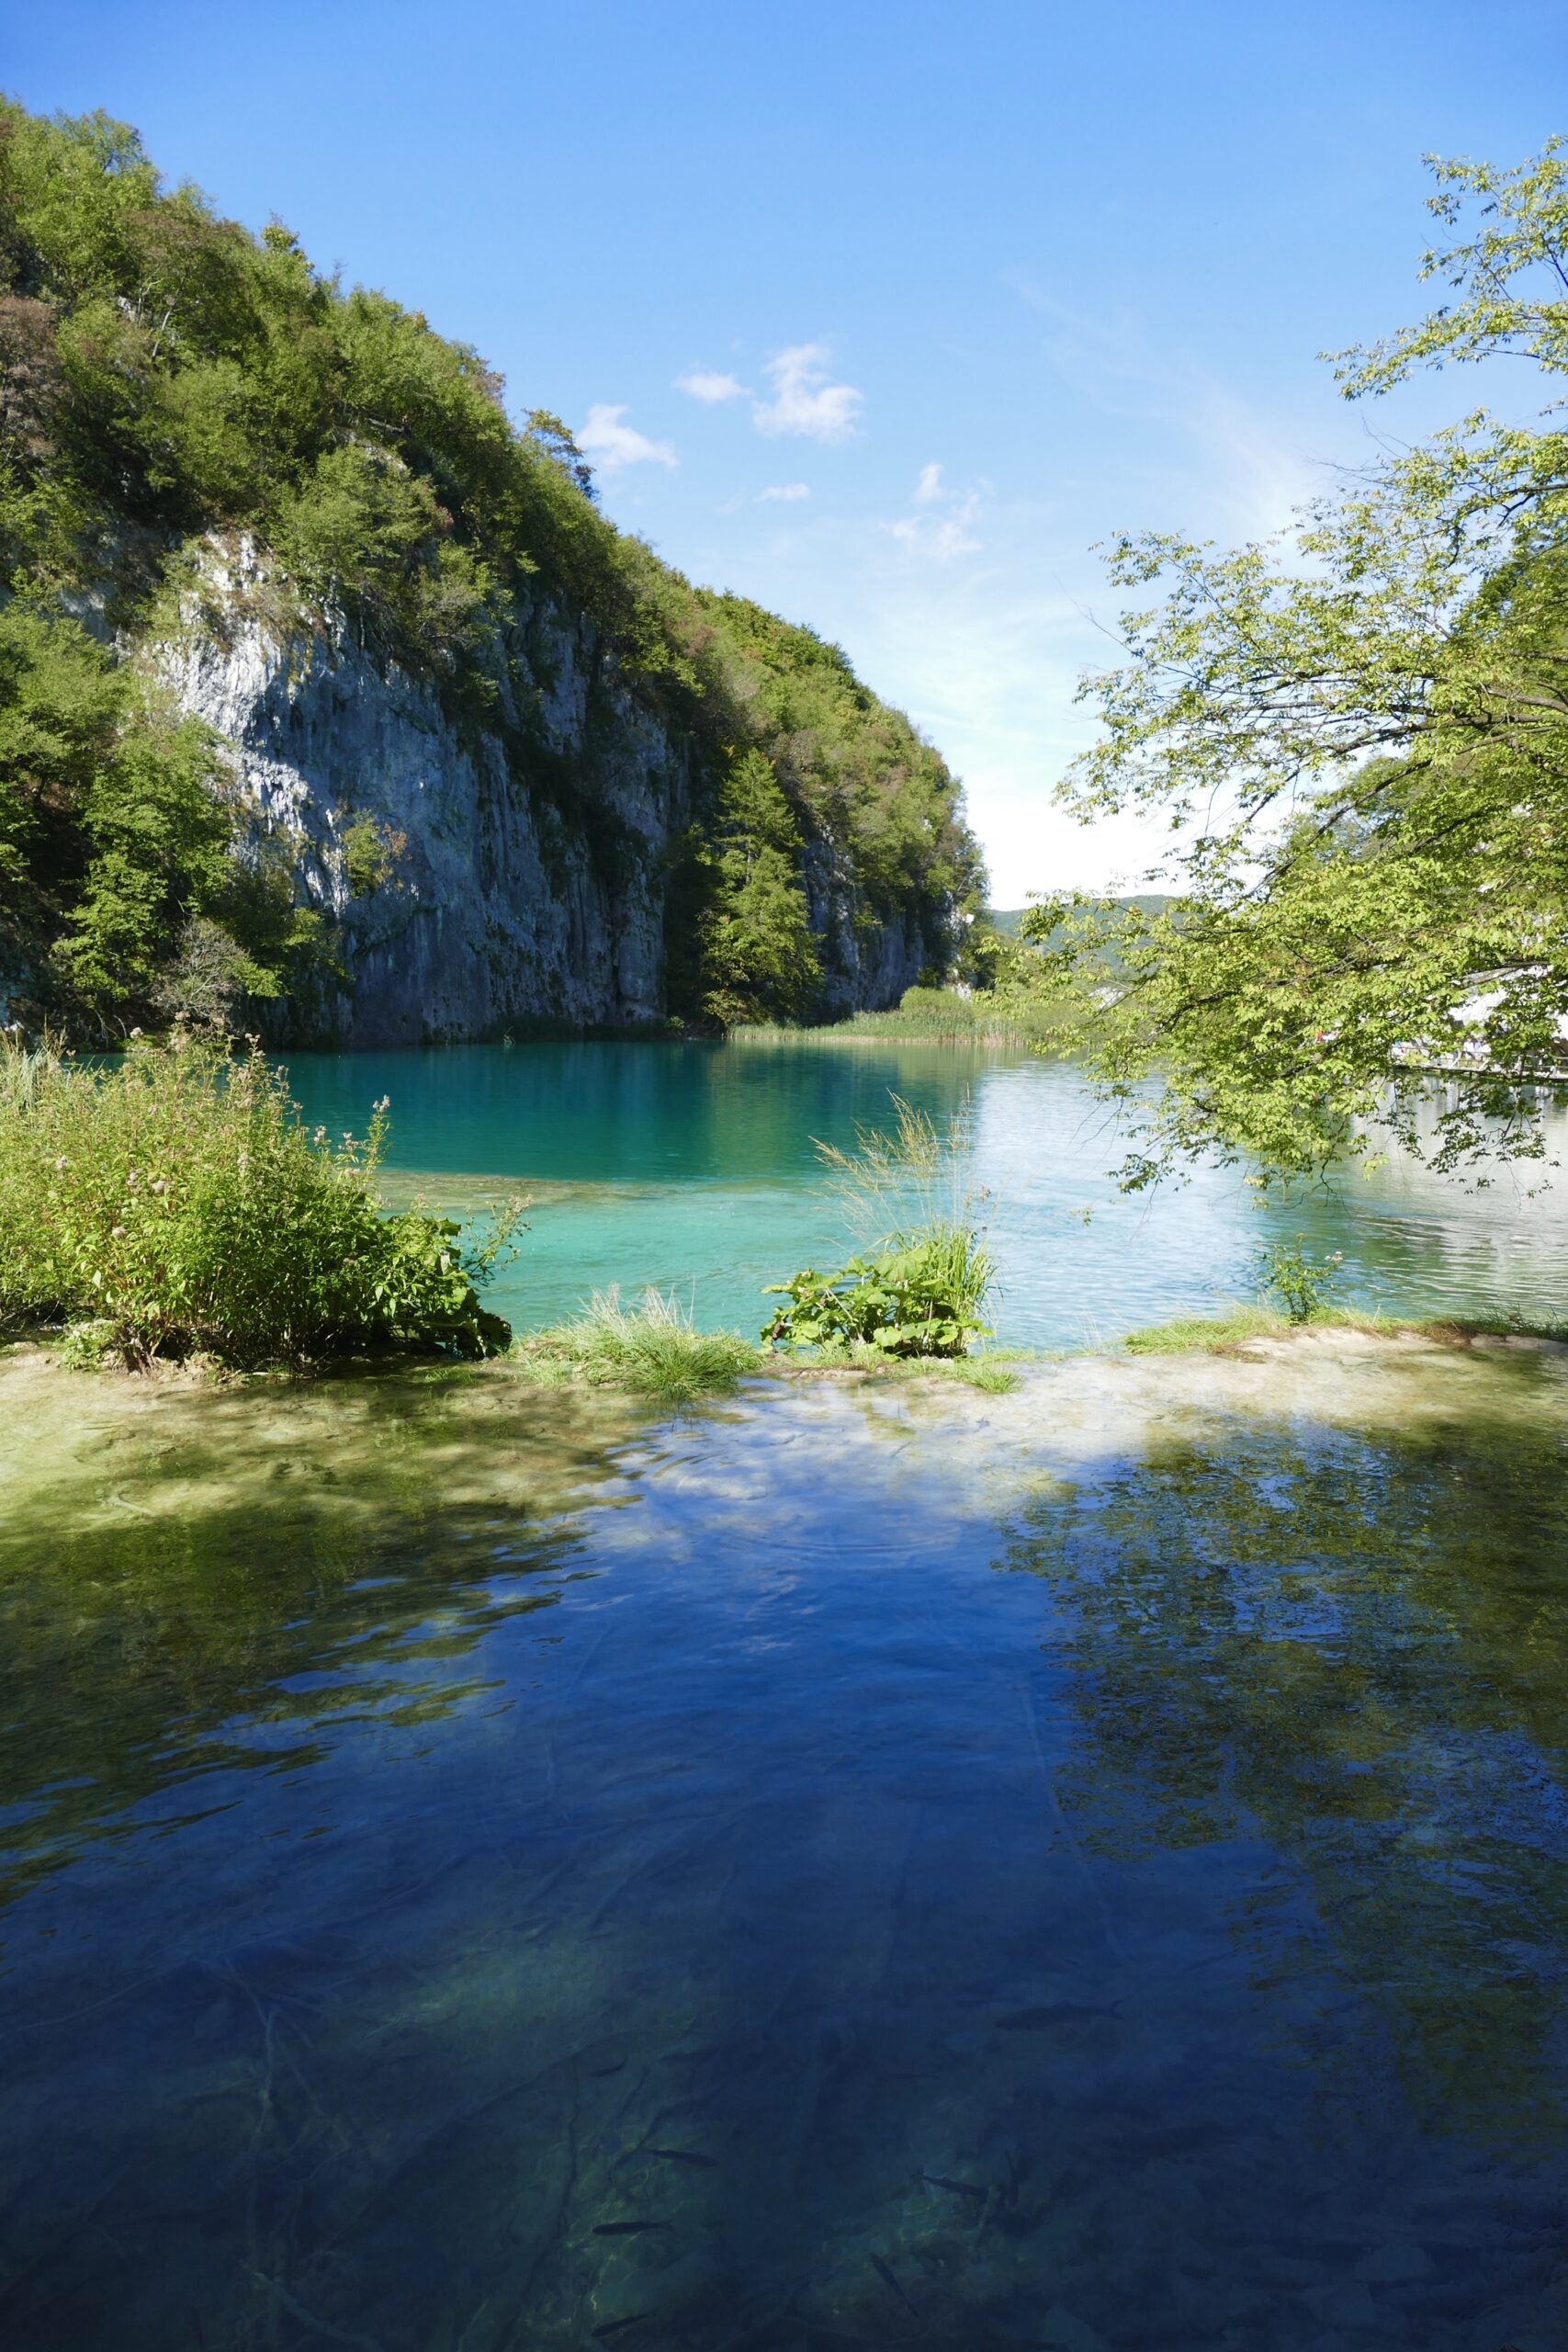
(691, 1167)
(1084, 1868)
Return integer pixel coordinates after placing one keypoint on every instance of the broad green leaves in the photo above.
(1361, 733)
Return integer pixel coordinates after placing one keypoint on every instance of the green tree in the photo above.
(1364, 733)
(759, 958)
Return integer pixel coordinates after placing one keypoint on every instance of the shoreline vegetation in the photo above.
(649, 1353)
(174, 1209)
(931, 1015)
(177, 1206)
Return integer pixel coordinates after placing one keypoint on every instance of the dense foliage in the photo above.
(172, 383)
(176, 1205)
(920, 1297)
(1366, 738)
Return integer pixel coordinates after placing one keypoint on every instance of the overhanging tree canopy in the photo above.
(1361, 731)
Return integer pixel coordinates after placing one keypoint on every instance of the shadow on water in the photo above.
(230, 1576)
(1356, 1652)
(452, 1911)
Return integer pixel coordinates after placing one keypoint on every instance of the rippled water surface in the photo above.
(1082, 1868)
(693, 1167)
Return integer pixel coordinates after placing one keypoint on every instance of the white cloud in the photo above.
(786, 490)
(611, 444)
(937, 536)
(806, 401)
(706, 384)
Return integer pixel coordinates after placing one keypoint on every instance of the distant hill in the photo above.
(1007, 919)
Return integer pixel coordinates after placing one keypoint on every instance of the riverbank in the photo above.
(932, 1016)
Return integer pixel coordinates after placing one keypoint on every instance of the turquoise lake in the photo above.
(692, 1168)
(1080, 1869)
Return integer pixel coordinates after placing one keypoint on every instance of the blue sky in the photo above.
(881, 311)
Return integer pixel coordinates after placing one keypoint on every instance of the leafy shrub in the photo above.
(1301, 1284)
(177, 1204)
(370, 853)
(920, 1298)
(651, 1349)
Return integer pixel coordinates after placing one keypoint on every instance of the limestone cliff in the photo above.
(527, 860)
(521, 769)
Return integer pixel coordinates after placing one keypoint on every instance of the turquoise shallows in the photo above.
(692, 1168)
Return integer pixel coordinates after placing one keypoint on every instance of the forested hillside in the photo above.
(235, 500)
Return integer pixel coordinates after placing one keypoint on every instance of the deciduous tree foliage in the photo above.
(168, 378)
(1362, 733)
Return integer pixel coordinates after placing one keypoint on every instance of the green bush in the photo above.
(920, 1297)
(176, 1204)
(1301, 1284)
(651, 1349)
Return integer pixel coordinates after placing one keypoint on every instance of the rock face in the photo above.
(525, 859)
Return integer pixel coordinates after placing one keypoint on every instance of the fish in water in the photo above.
(628, 2229)
(886, 2275)
(1055, 2013)
(959, 2188)
(618, 2326)
(683, 2156)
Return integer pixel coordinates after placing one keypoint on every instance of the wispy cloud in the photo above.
(806, 400)
(944, 525)
(1249, 478)
(707, 385)
(785, 489)
(611, 444)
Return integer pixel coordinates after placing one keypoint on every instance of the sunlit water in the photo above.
(692, 1168)
(1084, 1868)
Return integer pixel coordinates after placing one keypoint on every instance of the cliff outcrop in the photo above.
(332, 702)
(524, 868)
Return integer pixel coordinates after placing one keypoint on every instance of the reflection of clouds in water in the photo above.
(802, 1930)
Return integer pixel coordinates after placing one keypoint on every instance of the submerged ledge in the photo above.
(1337, 1369)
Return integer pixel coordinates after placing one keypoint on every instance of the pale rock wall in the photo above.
(530, 881)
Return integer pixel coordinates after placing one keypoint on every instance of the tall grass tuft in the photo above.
(176, 1204)
(651, 1349)
(918, 1287)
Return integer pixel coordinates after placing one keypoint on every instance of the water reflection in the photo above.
(796, 1932)
(229, 1577)
(1353, 1651)
(693, 1166)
